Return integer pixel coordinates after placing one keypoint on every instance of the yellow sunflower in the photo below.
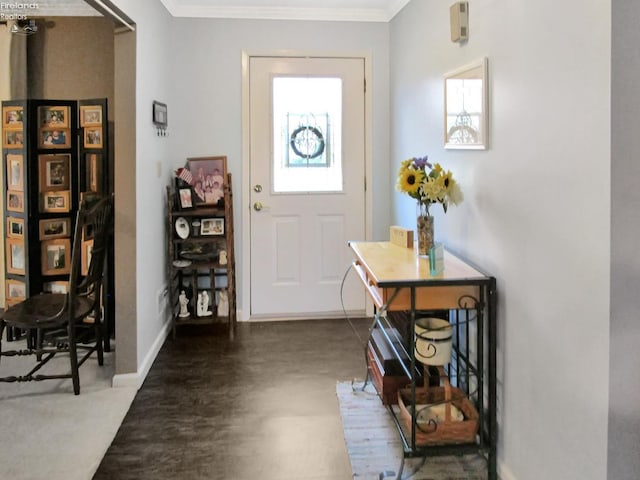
(409, 181)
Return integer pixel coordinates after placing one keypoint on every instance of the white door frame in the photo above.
(244, 305)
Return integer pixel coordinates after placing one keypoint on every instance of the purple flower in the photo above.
(421, 162)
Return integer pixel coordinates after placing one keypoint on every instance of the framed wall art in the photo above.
(12, 116)
(93, 167)
(15, 172)
(15, 227)
(55, 138)
(15, 201)
(15, 256)
(209, 174)
(466, 107)
(54, 228)
(93, 137)
(54, 172)
(53, 116)
(56, 256)
(90, 115)
(16, 291)
(85, 257)
(58, 201)
(212, 226)
(60, 286)
(12, 138)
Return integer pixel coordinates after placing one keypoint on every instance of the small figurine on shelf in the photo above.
(184, 304)
(223, 257)
(203, 304)
(223, 304)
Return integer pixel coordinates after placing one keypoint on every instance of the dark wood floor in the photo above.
(261, 407)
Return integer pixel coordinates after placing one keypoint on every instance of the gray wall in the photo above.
(536, 212)
(624, 389)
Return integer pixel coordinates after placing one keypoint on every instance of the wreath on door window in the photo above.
(307, 142)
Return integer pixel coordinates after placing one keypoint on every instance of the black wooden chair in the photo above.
(70, 322)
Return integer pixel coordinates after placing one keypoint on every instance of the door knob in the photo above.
(258, 206)
(257, 188)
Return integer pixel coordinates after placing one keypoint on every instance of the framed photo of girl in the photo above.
(209, 177)
(54, 172)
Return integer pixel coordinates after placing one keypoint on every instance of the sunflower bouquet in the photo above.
(428, 183)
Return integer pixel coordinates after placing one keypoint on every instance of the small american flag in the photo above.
(184, 175)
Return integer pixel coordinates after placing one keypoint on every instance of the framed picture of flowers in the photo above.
(465, 107)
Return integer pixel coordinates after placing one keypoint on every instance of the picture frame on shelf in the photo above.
(93, 137)
(90, 115)
(12, 116)
(54, 116)
(16, 291)
(56, 256)
(58, 201)
(12, 138)
(212, 226)
(15, 172)
(60, 286)
(15, 201)
(54, 138)
(209, 177)
(93, 165)
(54, 172)
(185, 198)
(85, 256)
(51, 228)
(465, 107)
(15, 227)
(16, 260)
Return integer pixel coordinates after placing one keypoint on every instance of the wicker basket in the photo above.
(446, 432)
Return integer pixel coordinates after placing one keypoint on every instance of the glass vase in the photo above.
(424, 230)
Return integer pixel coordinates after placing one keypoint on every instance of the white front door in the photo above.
(307, 173)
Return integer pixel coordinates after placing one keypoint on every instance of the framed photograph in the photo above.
(55, 138)
(16, 291)
(56, 287)
(209, 176)
(56, 256)
(185, 198)
(90, 115)
(56, 201)
(93, 166)
(160, 114)
(15, 256)
(12, 116)
(53, 117)
(15, 201)
(54, 172)
(85, 257)
(12, 138)
(465, 107)
(93, 137)
(15, 172)
(212, 226)
(55, 228)
(15, 227)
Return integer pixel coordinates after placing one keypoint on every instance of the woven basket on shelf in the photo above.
(445, 432)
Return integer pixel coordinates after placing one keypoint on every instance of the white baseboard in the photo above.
(136, 379)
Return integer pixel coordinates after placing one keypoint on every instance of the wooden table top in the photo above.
(391, 265)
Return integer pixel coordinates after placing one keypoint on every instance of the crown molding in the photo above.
(179, 9)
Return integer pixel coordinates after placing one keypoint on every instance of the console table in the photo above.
(397, 279)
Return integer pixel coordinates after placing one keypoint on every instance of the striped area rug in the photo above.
(374, 445)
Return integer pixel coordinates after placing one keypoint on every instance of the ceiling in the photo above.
(337, 10)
